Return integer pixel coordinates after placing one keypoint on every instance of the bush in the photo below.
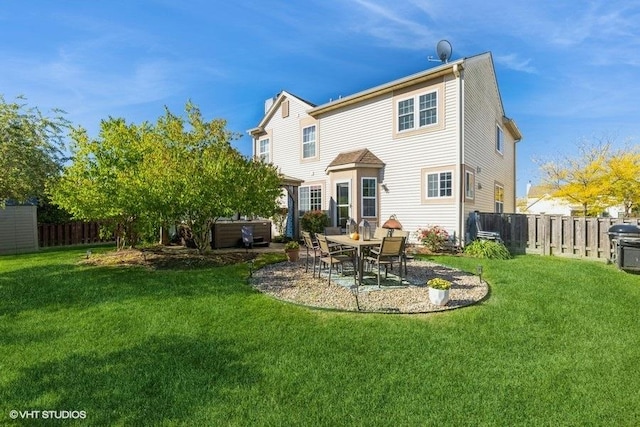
(433, 237)
(292, 245)
(314, 221)
(487, 249)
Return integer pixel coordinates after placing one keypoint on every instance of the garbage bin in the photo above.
(625, 246)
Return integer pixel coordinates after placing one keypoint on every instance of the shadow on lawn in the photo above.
(162, 379)
(63, 286)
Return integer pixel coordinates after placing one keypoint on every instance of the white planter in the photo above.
(439, 296)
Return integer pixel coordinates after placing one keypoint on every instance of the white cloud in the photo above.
(514, 62)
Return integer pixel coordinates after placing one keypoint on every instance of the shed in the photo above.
(18, 229)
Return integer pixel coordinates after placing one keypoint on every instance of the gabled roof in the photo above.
(539, 191)
(441, 70)
(454, 67)
(274, 107)
(352, 159)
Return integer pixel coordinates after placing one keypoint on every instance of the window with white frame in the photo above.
(499, 199)
(425, 115)
(309, 142)
(469, 184)
(310, 198)
(369, 197)
(439, 184)
(428, 109)
(499, 140)
(263, 150)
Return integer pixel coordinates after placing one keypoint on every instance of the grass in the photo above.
(135, 347)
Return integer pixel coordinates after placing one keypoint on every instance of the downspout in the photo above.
(457, 72)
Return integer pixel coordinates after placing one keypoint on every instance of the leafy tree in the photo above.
(138, 177)
(31, 147)
(624, 178)
(205, 178)
(582, 180)
(103, 182)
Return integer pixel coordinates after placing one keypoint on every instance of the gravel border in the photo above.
(288, 281)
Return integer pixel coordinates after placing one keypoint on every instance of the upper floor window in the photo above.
(428, 109)
(425, 115)
(309, 142)
(369, 197)
(440, 184)
(499, 198)
(263, 150)
(499, 140)
(310, 198)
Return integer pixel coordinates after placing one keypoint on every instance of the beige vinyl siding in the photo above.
(286, 146)
(369, 120)
(18, 229)
(371, 125)
(483, 112)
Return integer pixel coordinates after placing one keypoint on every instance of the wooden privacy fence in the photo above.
(70, 233)
(554, 234)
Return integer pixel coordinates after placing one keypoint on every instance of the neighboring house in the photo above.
(428, 148)
(540, 200)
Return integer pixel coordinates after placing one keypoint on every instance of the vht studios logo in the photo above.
(51, 415)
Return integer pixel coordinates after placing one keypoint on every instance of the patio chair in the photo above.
(380, 233)
(312, 246)
(332, 231)
(485, 235)
(331, 256)
(390, 249)
(403, 258)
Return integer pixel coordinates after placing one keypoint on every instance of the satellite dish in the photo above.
(444, 51)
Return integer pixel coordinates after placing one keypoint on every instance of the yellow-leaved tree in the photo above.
(582, 180)
(624, 178)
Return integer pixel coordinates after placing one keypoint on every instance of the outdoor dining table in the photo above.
(358, 245)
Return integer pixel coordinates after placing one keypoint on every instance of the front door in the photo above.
(343, 205)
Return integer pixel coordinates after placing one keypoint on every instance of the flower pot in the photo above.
(439, 296)
(293, 254)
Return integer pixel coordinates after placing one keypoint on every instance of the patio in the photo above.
(289, 282)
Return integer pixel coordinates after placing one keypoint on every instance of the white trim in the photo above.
(499, 139)
(495, 198)
(350, 205)
(439, 189)
(469, 184)
(416, 111)
(362, 197)
(261, 153)
(314, 141)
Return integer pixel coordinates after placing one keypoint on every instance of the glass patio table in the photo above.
(358, 245)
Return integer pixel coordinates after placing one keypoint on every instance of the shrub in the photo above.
(487, 249)
(314, 221)
(433, 237)
(292, 245)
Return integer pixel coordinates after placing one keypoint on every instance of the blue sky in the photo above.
(568, 71)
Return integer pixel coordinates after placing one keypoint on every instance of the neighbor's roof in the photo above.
(539, 191)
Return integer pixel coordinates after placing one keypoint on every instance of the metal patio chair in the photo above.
(331, 256)
(390, 250)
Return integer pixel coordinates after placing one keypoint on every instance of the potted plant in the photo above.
(439, 291)
(292, 249)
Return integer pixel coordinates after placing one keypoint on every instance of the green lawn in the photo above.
(134, 347)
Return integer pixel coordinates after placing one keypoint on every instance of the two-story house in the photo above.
(428, 148)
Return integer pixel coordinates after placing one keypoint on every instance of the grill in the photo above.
(625, 246)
